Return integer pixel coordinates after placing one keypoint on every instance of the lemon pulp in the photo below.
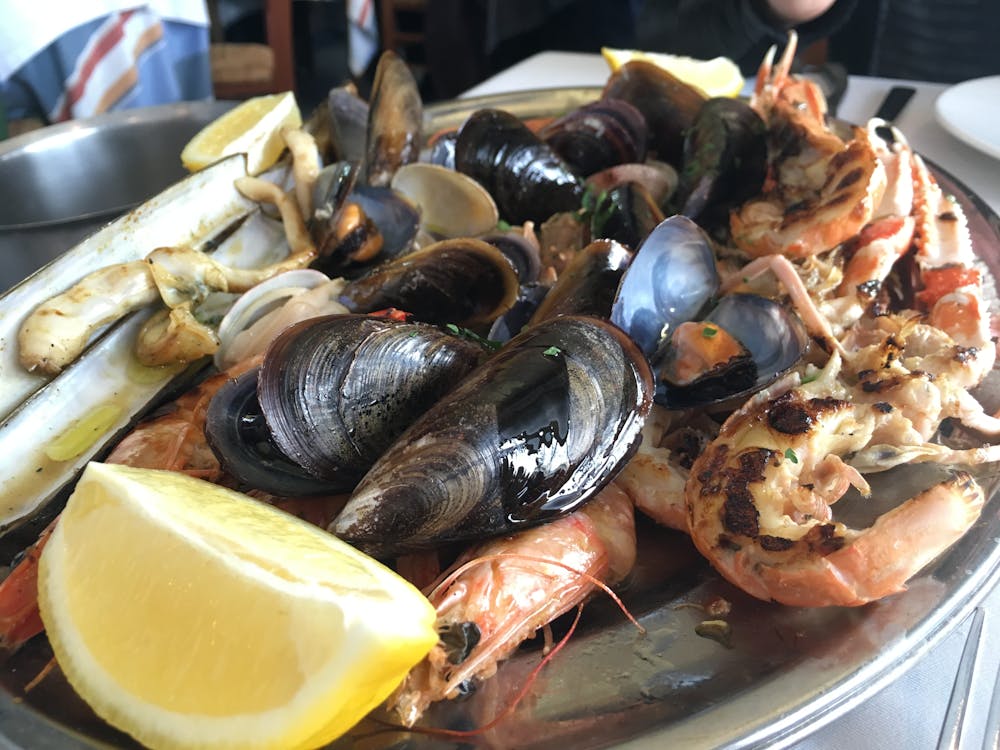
(252, 127)
(189, 615)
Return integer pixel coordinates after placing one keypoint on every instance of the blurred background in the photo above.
(64, 59)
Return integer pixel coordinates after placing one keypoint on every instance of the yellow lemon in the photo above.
(192, 616)
(252, 128)
(719, 76)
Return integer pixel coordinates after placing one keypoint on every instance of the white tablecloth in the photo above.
(909, 712)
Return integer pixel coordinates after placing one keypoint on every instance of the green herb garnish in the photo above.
(552, 351)
(790, 455)
(708, 332)
(465, 333)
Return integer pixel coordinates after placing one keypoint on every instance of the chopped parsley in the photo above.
(790, 455)
(552, 351)
(708, 332)
(465, 333)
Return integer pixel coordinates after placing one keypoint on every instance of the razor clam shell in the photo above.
(106, 378)
(186, 213)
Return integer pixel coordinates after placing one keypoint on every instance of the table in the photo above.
(910, 711)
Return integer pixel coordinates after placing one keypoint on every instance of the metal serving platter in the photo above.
(786, 672)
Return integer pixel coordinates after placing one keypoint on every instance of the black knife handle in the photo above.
(894, 102)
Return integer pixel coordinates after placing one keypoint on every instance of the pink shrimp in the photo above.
(759, 498)
(500, 592)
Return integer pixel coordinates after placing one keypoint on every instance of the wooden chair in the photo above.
(401, 27)
(240, 71)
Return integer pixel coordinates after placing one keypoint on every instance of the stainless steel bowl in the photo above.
(61, 183)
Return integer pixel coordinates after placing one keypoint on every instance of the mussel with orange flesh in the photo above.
(671, 280)
(331, 395)
(530, 435)
(743, 344)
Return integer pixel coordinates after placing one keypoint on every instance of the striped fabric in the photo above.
(125, 59)
(362, 35)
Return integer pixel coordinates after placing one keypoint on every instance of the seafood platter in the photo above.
(680, 410)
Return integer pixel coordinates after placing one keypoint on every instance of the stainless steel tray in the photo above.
(788, 671)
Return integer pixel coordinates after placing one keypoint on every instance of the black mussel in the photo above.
(598, 135)
(333, 184)
(442, 150)
(526, 178)
(508, 325)
(530, 435)
(521, 249)
(332, 394)
(340, 127)
(626, 213)
(670, 281)
(725, 160)
(588, 284)
(395, 120)
(668, 105)
(238, 435)
(463, 281)
(740, 346)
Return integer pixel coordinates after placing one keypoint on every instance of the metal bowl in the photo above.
(787, 671)
(61, 183)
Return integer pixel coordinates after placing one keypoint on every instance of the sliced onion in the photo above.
(264, 311)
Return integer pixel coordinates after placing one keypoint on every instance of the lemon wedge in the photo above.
(252, 127)
(192, 616)
(719, 76)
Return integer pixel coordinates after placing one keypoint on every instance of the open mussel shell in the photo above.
(238, 435)
(774, 340)
(598, 135)
(463, 281)
(340, 125)
(725, 159)
(670, 281)
(395, 120)
(668, 105)
(526, 178)
(371, 226)
(521, 249)
(451, 204)
(530, 435)
(335, 391)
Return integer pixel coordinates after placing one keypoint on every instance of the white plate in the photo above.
(970, 111)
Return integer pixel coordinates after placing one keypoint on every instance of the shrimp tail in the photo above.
(501, 592)
(20, 620)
